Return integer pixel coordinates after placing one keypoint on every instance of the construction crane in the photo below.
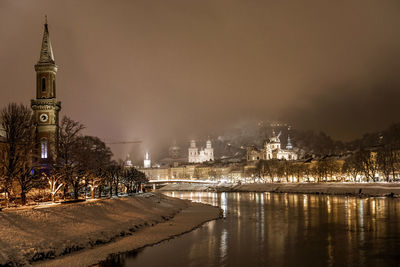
(124, 142)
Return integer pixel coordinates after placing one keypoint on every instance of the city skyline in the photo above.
(157, 72)
(199, 133)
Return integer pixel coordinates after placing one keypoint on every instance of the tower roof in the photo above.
(46, 52)
(289, 144)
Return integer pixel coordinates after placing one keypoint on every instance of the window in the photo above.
(43, 148)
(54, 88)
(43, 84)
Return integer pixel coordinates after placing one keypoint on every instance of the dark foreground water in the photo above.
(264, 229)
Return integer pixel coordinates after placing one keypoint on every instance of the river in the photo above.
(269, 229)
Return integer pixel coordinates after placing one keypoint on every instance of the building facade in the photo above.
(146, 161)
(45, 107)
(196, 155)
(272, 150)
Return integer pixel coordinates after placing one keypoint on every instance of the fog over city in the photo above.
(159, 71)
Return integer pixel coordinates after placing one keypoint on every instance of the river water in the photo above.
(268, 229)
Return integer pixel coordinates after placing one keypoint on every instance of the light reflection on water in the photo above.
(282, 229)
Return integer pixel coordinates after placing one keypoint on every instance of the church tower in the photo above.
(147, 161)
(193, 152)
(45, 106)
(209, 151)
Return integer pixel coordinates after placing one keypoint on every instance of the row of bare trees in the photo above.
(372, 165)
(375, 157)
(288, 171)
(77, 163)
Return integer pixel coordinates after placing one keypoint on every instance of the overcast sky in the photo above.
(163, 70)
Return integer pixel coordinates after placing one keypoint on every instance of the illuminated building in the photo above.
(46, 107)
(147, 161)
(128, 161)
(202, 155)
(272, 150)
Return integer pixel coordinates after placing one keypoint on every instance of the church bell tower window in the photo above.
(43, 84)
(43, 148)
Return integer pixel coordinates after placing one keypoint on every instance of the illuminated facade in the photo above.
(198, 156)
(128, 161)
(272, 150)
(147, 161)
(46, 107)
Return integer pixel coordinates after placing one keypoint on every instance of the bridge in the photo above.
(157, 183)
(171, 181)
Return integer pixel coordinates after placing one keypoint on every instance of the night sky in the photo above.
(162, 70)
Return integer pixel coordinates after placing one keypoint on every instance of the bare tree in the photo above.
(385, 161)
(98, 157)
(299, 170)
(89, 155)
(269, 168)
(388, 153)
(115, 171)
(18, 124)
(69, 133)
(352, 166)
(132, 179)
(369, 163)
(54, 179)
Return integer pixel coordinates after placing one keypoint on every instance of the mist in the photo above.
(159, 71)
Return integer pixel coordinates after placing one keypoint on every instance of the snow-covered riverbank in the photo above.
(356, 189)
(30, 235)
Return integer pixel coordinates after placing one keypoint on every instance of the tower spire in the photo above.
(46, 52)
(289, 143)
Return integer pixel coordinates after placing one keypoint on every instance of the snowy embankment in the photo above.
(354, 189)
(30, 235)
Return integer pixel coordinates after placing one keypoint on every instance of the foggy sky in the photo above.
(162, 70)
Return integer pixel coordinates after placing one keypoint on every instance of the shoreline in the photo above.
(346, 189)
(187, 220)
(87, 233)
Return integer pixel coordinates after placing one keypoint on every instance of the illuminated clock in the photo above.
(43, 117)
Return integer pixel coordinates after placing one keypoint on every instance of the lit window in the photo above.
(43, 85)
(43, 148)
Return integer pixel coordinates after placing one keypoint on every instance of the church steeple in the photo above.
(46, 107)
(289, 145)
(46, 68)
(46, 52)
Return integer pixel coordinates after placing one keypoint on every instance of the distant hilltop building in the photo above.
(147, 161)
(174, 151)
(272, 150)
(202, 155)
(128, 161)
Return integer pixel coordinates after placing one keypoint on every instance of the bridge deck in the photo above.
(164, 181)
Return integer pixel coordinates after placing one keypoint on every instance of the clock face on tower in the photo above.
(43, 117)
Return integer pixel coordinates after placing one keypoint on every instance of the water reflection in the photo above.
(224, 203)
(283, 229)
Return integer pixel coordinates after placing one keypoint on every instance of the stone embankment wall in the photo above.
(356, 189)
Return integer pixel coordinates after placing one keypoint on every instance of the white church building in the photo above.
(272, 150)
(197, 155)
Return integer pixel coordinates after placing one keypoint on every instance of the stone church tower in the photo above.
(45, 106)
